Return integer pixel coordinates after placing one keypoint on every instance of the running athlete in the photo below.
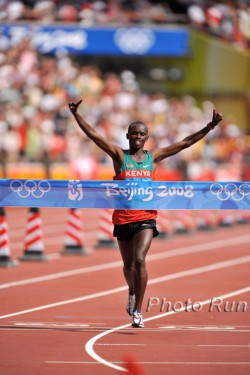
(135, 229)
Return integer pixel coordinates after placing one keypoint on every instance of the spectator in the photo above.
(229, 20)
(35, 121)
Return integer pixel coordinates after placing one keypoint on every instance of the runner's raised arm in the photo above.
(114, 151)
(165, 152)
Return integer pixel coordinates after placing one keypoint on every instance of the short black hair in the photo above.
(136, 123)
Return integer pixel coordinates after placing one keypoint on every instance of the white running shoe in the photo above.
(130, 304)
(137, 319)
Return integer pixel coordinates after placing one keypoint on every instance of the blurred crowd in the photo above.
(226, 19)
(36, 124)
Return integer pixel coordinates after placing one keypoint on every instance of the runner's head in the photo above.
(135, 123)
(137, 134)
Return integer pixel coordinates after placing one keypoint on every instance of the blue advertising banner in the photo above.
(127, 194)
(141, 41)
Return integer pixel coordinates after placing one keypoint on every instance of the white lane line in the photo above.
(220, 346)
(52, 324)
(22, 329)
(75, 362)
(47, 229)
(151, 257)
(196, 271)
(66, 302)
(227, 346)
(89, 345)
(78, 271)
(205, 328)
(147, 363)
(216, 346)
(56, 240)
(53, 256)
(177, 275)
(121, 344)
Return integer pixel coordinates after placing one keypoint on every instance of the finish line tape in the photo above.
(126, 194)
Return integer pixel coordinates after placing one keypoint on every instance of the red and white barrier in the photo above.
(5, 256)
(105, 229)
(164, 224)
(205, 220)
(73, 241)
(242, 217)
(183, 221)
(33, 243)
(225, 218)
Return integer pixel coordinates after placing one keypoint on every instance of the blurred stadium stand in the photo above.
(167, 63)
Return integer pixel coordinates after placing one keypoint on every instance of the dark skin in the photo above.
(134, 252)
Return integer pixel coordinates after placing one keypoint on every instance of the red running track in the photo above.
(67, 315)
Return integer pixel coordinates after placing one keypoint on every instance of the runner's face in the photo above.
(137, 136)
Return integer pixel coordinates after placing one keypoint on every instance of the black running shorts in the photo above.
(125, 232)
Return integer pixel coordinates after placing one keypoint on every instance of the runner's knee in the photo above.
(128, 267)
(139, 261)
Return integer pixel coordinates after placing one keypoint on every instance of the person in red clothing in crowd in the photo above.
(135, 229)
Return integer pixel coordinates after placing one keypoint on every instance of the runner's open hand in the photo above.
(74, 106)
(217, 117)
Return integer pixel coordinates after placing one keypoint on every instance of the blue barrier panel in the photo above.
(127, 194)
(141, 41)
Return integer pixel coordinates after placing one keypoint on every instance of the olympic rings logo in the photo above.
(30, 187)
(230, 190)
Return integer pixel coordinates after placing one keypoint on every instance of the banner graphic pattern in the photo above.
(126, 195)
(113, 41)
